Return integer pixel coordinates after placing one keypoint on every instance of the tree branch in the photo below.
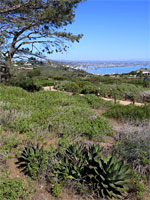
(32, 54)
(14, 8)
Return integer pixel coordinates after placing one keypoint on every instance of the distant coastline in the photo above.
(114, 69)
(83, 65)
(135, 66)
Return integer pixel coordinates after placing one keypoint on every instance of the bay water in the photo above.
(114, 70)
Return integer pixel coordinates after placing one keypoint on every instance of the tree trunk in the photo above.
(6, 71)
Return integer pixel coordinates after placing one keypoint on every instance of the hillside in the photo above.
(71, 143)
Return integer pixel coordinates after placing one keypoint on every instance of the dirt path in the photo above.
(123, 102)
(49, 88)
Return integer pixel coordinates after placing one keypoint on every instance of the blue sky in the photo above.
(113, 30)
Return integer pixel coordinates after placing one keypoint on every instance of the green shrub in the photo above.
(133, 145)
(146, 83)
(28, 84)
(83, 122)
(89, 89)
(33, 73)
(8, 142)
(119, 90)
(42, 83)
(135, 82)
(129, 89)
(139, 186)
(96, 102)
(25, 83)
(47, 112)
(57, 190)
(68, 86)
(129, 113)
(12, 189)
(147, 99)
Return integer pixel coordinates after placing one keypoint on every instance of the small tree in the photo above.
(35, 27)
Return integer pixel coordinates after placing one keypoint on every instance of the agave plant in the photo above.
(71, 163)
(32, 160)
(109, 177)
(94, 150)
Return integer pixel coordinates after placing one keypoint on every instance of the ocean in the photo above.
(115, 70)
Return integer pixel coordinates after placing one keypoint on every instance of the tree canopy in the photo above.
(35, 27)
(5, 8)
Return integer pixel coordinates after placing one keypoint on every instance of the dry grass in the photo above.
(134, 145)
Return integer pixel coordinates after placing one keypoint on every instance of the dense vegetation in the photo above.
(129, 113)
(55, 137)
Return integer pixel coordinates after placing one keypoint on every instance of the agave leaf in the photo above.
(91, 176)
(104, 185)
(102, 177)
(73, 172)
(70, 177)
(102, 192)
(23, 158)
(124, 168)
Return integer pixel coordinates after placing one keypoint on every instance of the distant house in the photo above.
(26, 68)
(15, 65)
(145, 71)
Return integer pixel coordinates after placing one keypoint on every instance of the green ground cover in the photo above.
(29, 120)
(129, 113)
(49, 112)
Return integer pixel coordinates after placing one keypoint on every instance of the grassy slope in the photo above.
(49, 112)
(27, 117)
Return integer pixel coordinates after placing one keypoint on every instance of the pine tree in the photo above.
(35, 27)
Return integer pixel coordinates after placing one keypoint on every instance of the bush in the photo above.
(28, 85)
(133, 145)
(33, 73)
(25, 83)
(44, 112)
(129, 89)
(42, 83)
(77, 121)
(67, 120)
(139, 186)
(68, 86)
(57, 190)
(96, 102)
(119, 90)
(147, 83)
(89, 89)
(129, 113)
(12, 189)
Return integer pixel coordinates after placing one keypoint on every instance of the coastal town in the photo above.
(98, 64)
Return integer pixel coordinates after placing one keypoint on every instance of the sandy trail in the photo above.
(49, 88)
(123, 102)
